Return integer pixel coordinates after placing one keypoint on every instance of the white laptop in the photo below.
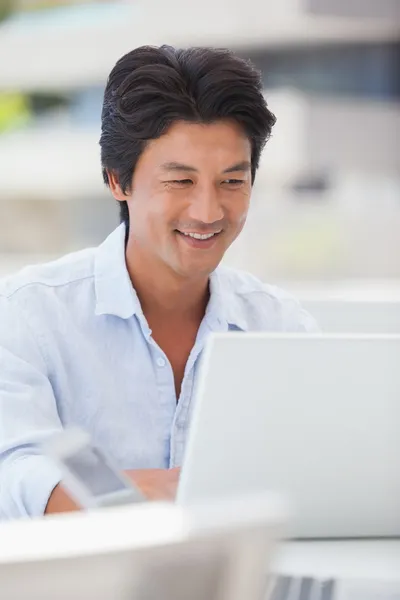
(316, 417)
(150, 551)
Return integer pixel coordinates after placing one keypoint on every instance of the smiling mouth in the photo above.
(203, 241)
(199, 236)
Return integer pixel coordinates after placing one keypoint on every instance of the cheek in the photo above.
(238, 212)
(143, 223)
(148, 213)
(241, 223)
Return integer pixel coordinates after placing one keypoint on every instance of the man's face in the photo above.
(190, 195)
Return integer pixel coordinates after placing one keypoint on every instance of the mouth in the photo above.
(199, 240)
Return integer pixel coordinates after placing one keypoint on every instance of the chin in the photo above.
(199, 270)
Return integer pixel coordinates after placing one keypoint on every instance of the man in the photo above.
(109, 339)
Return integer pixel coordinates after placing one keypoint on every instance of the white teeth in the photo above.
(200, 236)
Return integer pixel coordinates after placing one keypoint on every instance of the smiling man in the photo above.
(110, 339)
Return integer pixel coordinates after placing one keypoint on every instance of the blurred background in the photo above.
(326, 204)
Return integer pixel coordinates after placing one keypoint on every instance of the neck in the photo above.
(163, 292)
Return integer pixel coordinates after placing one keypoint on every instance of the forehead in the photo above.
(220, 144)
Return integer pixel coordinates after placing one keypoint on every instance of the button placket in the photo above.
(183, 409)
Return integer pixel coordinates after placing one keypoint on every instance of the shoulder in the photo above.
(39, 303)
(44, 278)
(260, 306)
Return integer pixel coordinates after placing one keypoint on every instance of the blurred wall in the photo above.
(326, 202)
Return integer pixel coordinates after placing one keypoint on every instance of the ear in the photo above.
(115, 186)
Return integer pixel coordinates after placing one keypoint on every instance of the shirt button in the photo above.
(160, 361)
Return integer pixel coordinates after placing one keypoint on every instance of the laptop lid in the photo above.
(316, 417)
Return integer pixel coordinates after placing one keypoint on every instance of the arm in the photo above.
(60, 502)
(28, 415)
(30, 484)
(155, 484)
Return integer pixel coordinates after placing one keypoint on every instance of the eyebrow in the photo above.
(242, 166)
(175, 166)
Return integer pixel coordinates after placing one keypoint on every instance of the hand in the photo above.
(156, 484)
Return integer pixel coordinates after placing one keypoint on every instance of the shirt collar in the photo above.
(225, 309)
(115, 294)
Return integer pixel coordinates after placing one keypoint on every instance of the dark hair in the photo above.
(150, 88)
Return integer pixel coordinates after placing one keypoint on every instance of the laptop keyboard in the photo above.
(301, 588)
(308, 588)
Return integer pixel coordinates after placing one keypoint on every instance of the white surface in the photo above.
(356, 316)
(142, 551)
(135, 527)
(316, 417)
(344, 559)
(366, 306)
(84, 533)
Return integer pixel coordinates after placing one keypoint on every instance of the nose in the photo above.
(205, 205)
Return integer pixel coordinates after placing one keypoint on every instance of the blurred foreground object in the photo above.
(216, 551)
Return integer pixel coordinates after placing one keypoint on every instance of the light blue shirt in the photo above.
(75, 349)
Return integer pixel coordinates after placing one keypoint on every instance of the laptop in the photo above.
(148, 551)
(315, 417)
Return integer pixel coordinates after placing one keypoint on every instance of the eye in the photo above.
(180, 182)
(233, 182)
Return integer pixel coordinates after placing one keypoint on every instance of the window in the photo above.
(368, 70)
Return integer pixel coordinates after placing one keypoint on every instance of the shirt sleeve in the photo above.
(298, 320)
(28, 416)
(306, 322)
